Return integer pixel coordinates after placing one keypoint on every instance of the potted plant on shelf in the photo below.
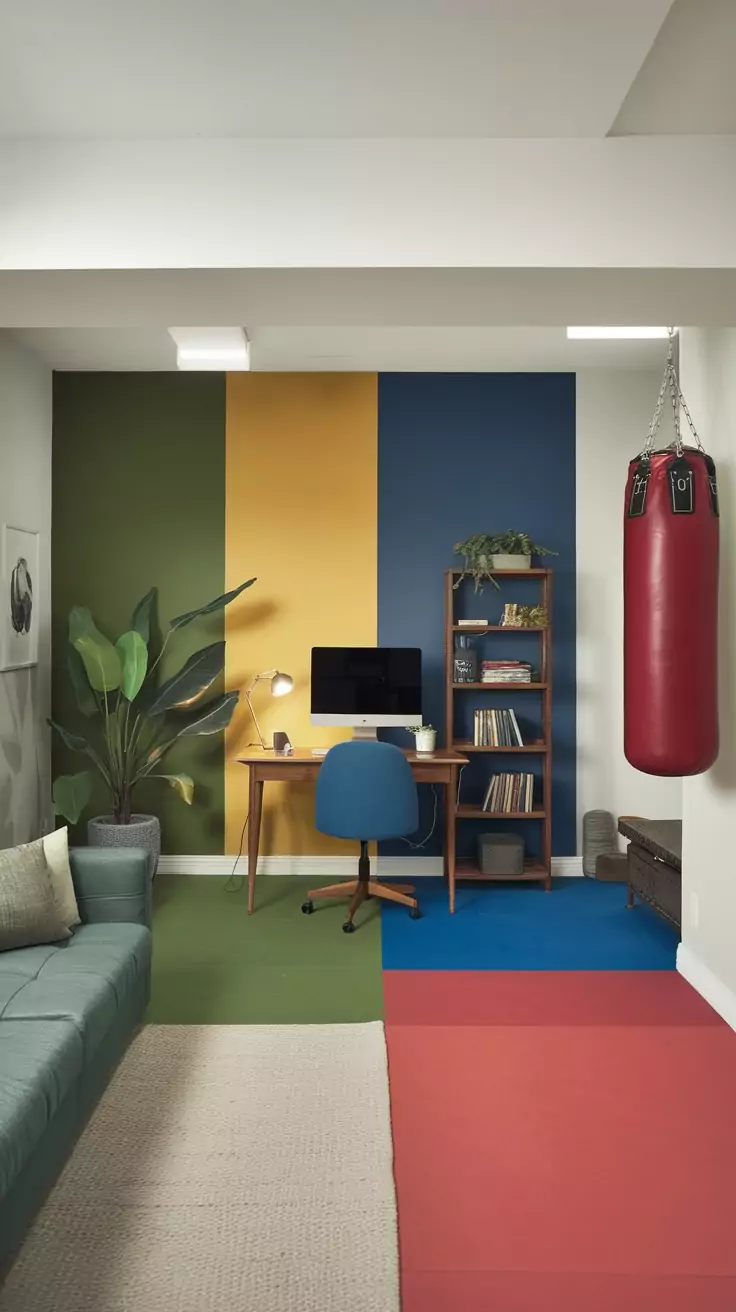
(139, 718)
(425, 736)
(485, 553)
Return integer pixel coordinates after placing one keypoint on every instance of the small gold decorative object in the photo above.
(524, 617)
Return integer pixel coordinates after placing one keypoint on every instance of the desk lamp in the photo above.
(280, 684)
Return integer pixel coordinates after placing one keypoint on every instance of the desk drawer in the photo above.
(297, 773)
(437, 773)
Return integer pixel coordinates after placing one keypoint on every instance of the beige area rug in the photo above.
(227, 1169)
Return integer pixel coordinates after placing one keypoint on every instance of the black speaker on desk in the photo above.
(281, 743)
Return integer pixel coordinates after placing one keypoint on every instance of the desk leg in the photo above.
(450, 800)
(255, 807)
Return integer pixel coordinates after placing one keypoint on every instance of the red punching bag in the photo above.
(671, 603)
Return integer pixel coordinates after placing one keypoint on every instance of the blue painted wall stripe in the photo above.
(461, 454)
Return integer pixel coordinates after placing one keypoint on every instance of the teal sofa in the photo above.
(67, 1012)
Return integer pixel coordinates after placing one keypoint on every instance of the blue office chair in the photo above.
(366, 790)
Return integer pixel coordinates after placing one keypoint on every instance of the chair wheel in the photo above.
(415, 913)
(348, 927)
(308, 907)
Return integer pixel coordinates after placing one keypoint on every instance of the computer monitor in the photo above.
(366, 687)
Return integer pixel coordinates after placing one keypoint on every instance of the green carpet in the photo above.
(214, 964)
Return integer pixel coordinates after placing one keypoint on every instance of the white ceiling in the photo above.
(687, 82)
(325, 349)
(316, 68)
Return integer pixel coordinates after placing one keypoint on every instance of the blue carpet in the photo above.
(580, 925)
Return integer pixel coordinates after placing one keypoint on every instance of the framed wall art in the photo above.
(19, 618)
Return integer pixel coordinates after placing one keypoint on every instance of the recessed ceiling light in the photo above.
(211, 348)
(615, 332)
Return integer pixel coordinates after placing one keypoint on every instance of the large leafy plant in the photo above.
(139, 718)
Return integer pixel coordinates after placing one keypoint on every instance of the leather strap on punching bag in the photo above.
(671, 603)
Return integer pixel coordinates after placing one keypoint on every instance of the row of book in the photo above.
(509, 792)
(496, 729)
(505, 672)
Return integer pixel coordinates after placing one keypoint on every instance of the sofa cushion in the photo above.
(26, 962)
(84, 981)
(18, 967)
(39, 1065)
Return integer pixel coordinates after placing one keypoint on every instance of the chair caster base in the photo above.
(415, 913)
(348, 927)
(308, 907)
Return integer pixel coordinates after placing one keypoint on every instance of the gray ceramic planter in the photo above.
(143, 831)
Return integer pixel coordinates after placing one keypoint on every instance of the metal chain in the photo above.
(677, 400)
(688, 416)
(657, 416)
(674, 389)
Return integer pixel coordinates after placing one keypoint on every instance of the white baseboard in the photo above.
(567, 865)
(337, 867)
(721, 998)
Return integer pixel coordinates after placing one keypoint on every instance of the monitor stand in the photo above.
(364, 733)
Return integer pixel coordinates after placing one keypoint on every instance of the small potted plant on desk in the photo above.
(483, 553)
(139, 719)
(425, 736)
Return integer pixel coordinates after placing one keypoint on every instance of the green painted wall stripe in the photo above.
(139, 499)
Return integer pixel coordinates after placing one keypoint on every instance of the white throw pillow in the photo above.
(56, 851)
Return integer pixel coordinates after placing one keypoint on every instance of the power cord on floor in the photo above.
(417, 847)
(233, 885)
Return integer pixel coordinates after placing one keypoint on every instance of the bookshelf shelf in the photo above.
(533, 869)
(507, 573)
(539, 710)
(477, 813)
(502, 687)
(533, 749)
(497, 628)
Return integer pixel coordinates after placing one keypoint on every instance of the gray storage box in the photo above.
(501, 854)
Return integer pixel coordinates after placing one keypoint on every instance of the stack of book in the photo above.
(496, 729)
(506, 672)
(509, 792)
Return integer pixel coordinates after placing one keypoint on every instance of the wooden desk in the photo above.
(441, 767)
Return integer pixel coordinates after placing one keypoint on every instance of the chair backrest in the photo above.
(366, 790)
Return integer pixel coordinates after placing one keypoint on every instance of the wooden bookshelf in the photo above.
(538, 868)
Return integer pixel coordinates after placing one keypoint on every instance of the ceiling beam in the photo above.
(321, 204)
(407, 298)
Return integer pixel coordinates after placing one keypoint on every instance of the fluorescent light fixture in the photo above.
(211, 348)
(617, 333)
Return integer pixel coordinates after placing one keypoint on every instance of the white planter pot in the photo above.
(511, 562)
(426, 740)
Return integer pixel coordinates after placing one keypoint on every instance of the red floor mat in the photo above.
(562, 1151)
(516, 1291)
(532, 997)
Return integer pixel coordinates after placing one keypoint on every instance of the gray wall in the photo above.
(25, 502)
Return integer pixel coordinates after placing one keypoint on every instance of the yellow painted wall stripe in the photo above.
(302, 515)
